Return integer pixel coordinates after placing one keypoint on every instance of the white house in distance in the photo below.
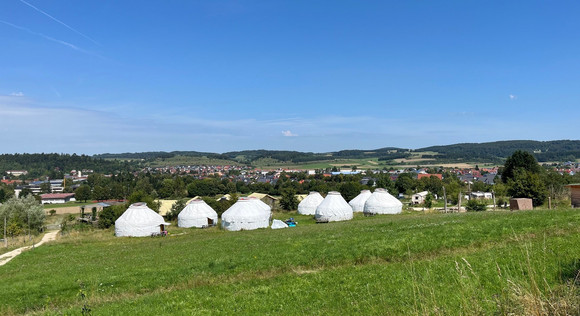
(419, 198)
(481, 195)
(57, 198)
(17, 173)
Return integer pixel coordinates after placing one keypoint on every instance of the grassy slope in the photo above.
(388, 264)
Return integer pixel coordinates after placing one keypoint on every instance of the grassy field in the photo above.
(191, 161)
(361, 164)
(448, 264)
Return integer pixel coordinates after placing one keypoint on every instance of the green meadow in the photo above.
(487, 263)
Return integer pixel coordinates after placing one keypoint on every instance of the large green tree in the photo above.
(45, 187)
(350, 190)
(519, 160)
(525, 184)
(83, 193)
(406, 183)
(289, 201)
(523, 176)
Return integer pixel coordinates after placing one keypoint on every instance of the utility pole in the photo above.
(5, 240)
(445, 199)
(551, 195)
(459, 203)
(493, 195)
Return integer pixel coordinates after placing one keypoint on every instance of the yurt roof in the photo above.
(358, 203)
(243, 208)
(139, 213)
(381, 202)
(310, 203)
(333, 208)
(138, 220)
(197, 208)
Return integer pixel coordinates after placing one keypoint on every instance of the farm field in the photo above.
(468, 263)
(189, 160)
(270, 163)
(364, 164)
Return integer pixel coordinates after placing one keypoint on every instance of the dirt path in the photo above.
(5, 258)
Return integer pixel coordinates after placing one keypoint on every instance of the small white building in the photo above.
(57, 198)
(419, 198)
(17, 173)
(481, 195)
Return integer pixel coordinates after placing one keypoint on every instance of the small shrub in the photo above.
(475, 206)
(52, 212)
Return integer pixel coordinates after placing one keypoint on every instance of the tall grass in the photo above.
(440, 264)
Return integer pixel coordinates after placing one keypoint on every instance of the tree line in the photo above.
(54, 165)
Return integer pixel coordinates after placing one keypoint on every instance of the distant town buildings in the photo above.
(16, 173)
(57, 198)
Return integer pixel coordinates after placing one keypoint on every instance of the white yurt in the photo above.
(197, 214)
(267, 209)
(333, 208)
(245, 214)
(310, 203)
(358, 203)
(381, 202)
(139, 221)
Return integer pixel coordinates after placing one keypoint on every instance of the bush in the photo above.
(289, 201)
(21, 214)
(176, 208)
(109, 215)
(476, 206)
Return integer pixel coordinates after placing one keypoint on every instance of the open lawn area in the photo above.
(420, 264)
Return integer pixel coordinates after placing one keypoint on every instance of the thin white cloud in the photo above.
(60, 22)
(17, 94)
(288, 133)
(99, 128)
(513, 97)
(50, 38)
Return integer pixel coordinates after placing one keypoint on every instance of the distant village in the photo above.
(54, 191)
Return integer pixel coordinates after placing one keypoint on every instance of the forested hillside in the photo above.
(495, 152)
(54, 164)
(558, 150)
(248, 156)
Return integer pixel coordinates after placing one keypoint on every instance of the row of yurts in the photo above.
(251, 213)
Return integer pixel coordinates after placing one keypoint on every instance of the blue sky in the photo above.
(126, 76)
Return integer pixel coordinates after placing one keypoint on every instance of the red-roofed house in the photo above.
(11, 181)
(427, 175)
(57, 198)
